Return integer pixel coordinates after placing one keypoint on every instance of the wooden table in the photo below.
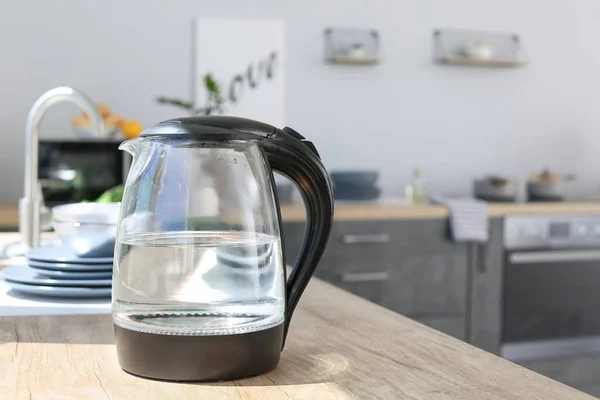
(340, 347)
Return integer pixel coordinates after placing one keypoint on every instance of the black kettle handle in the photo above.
(290, 154)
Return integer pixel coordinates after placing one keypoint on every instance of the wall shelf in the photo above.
(352, 46)
(478, 49)
(480, 63)
(353, 60)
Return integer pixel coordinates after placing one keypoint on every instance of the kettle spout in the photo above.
(131, 146)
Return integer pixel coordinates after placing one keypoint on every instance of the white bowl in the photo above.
(89, 229)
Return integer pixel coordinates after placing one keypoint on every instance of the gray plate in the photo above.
(62, 254)
(49, 273)
(29, 276)
(50, 291)
(71, 267)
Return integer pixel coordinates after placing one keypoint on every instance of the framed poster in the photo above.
(247, 59)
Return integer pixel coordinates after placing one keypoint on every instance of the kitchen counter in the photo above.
(340, 346)
(375, 211)
(9, 213)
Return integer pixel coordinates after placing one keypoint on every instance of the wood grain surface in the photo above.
(9, 213)
(373, 211)
(340, 347)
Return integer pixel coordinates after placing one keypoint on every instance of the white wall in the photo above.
(456, 123)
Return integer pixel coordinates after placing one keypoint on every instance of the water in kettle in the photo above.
(199, 283)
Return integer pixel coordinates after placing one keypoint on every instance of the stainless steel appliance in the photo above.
(200, 289)
(74, 170)
(551, 286)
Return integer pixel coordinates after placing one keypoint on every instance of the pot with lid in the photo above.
(547, 186)
(495, 188)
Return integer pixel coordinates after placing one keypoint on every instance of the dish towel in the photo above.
(468, 218)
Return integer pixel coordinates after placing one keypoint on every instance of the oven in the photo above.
(551, 286)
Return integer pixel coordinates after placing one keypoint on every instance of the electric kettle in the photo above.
(200, 289)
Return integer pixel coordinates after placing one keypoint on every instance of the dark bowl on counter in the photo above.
(356, 193)
(366, 178)
(355, 185)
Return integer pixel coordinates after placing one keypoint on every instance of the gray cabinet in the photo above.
(409, 266)
(427, 285)
(485, 282)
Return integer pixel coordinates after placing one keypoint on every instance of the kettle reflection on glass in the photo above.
(200, 289)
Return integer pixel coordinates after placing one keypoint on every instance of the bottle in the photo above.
(415, 191)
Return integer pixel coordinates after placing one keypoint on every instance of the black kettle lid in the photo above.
(214, 127)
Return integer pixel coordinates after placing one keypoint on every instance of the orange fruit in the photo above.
(131, 129)
(114, 120)
(104, 110)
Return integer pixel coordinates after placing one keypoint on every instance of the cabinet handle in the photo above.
(481, 257)
(366, 238)
(365, 277)
(568, 256)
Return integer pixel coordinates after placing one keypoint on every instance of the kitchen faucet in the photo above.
(30, 204)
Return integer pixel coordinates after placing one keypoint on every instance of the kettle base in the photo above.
(198, 358)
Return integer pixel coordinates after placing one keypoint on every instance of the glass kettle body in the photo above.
(200, 290)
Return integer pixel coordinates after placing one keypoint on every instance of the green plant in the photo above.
(214, 102)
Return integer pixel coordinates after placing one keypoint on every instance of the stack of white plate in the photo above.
(58, 272)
